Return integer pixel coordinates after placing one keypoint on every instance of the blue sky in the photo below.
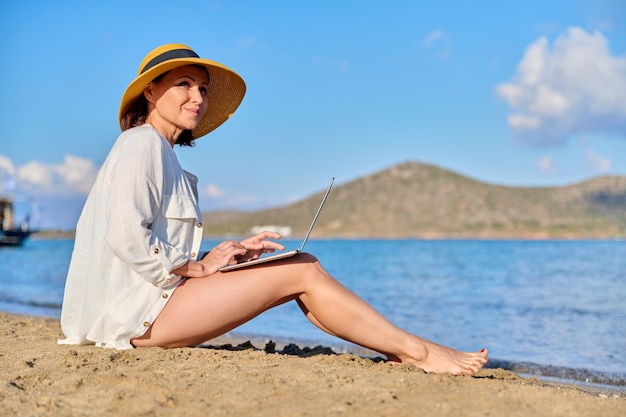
(525, 93)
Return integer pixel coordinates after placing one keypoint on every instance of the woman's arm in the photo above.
(134, 201)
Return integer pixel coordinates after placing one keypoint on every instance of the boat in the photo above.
(10, 233)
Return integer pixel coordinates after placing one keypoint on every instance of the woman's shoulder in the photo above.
(143, 132)
(141, 139)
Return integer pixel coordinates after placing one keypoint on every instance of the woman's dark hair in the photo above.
(138, 112)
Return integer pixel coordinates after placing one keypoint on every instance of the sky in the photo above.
(523, 93)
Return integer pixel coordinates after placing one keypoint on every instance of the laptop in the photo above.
(282, 255)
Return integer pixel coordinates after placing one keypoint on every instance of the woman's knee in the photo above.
(303, 262)
(308, 258)
(312, 268)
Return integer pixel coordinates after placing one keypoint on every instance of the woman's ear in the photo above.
(147, 93)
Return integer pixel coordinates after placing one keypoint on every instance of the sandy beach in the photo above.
(41, 378)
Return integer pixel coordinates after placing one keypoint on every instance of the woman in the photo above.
(136, 279)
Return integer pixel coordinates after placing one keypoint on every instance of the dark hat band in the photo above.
(166, 56)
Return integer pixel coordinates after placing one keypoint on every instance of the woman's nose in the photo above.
(196, 95)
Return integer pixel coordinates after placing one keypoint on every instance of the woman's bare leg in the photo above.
(201, 309)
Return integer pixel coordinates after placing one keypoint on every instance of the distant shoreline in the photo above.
(53, 234)
(70, 234)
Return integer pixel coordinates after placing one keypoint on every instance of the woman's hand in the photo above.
(231, 251)
(257, 245)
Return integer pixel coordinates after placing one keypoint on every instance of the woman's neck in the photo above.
(169, 132)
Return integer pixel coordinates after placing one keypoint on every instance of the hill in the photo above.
(419, 200)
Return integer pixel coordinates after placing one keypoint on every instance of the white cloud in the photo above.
(77, 173)
(75, 176)
(523, 122)
(57, 191)
(573, 87)
(36, 174)
(7, 175)
(7, 169)
(220, 198)
(213, 191)
(600, 164)
(432, 37)
(546, 165)
(438, 38)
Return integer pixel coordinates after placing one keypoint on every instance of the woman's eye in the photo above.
(183, 84)
(203, 91)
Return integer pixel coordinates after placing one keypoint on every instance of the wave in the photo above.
(7, 299)
(562, 373)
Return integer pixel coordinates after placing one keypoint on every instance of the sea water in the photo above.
(548, 308)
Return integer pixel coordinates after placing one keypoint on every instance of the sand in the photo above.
(41, 378)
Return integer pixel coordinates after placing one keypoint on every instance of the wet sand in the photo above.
(41, 378)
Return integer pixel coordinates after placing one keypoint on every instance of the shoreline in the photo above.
(594, 381)
(586, 379)
(224, 377)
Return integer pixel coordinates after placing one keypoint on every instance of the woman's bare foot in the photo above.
(439, 359)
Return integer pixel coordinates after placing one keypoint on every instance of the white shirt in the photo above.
(141, 220)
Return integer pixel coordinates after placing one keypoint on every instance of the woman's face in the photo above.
(179, 100)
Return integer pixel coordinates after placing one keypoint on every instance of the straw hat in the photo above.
(226, 88)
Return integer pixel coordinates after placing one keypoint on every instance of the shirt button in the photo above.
(193, 254)
(146, 324)
(156, 250)
(165, 295)
(199, 225)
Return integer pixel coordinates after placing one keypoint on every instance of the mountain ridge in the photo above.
(418, 200)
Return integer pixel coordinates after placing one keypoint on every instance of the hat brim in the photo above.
(225, 92)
